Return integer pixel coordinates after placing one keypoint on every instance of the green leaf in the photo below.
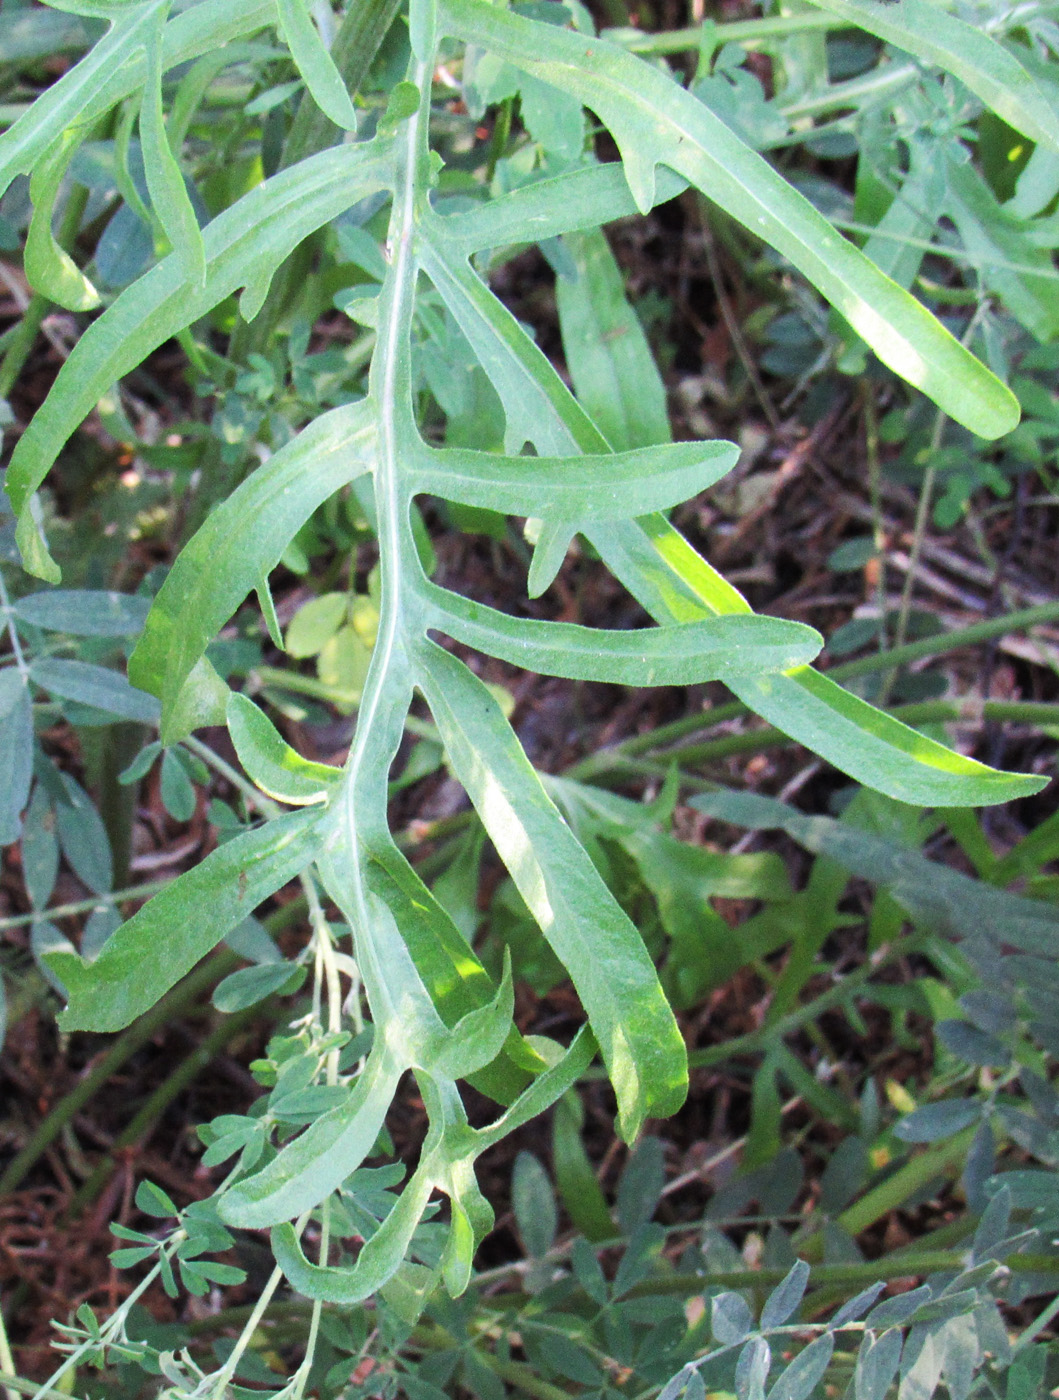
(50, 270)
(202, 700)
(275, 767)
(126, 1258)
(315, 64)
(152, 1200)
(159, 944)
(1003, 248)
(87, 89)
(578, 1186)
(590, 934)
(730, 1318)
(255, 233)
(614, 372)
(378, 1260)
(306, 1171)
(594, 486)
(938, 1120)
(83, 837)
(538, 405)
(640, 1186)
(97, 686)
(176, 788)
(450, 970)
(656, 122)
(16, 743)
(784, 1299)
(800, 1379)
(250, 985)
(873, 747)
(683, 654)
(27, 35)
(673, 582)
(84, 612)
(580, 198)
(40, 848)
(981, 63)
(221, 564)
(165, 180)
(315, 623)
(877, 1363)
(533, 1201)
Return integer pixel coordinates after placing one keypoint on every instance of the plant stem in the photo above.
(919, 530)
(940, 1159)
(1037, 1327)
(974, 632)
(754, 1041)
(923, 712)
(12, 632)
(919, 650)
(744, 31)
(84, 906)
(256, 1314)
(871, 452)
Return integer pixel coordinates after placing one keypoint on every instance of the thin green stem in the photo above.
(871, 452)
(919, 530)
(12, 630)
(1037, 1327)
(111, 1328)
(85, 906)
(749, 32)
(940, 1159)
(971, 710)
(258, 1311)
(919, 650)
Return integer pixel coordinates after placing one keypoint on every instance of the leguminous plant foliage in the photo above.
(356, 152)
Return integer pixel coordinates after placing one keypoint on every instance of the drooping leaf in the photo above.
(50, 269)
(276, 768)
